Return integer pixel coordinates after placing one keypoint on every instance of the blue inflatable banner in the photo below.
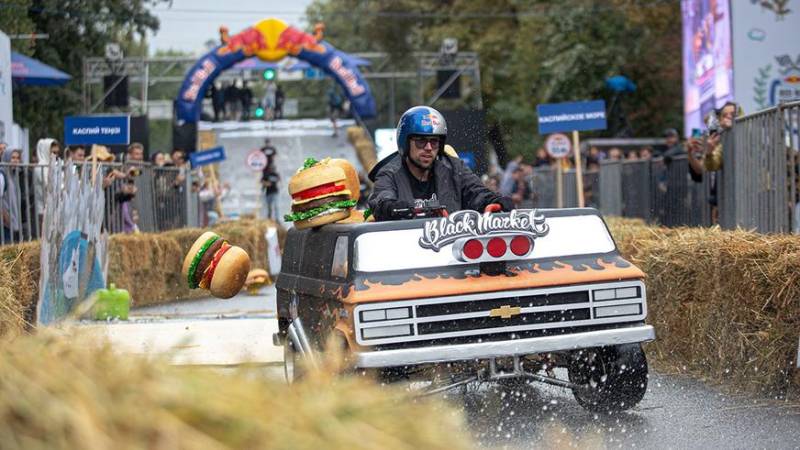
(271, 40)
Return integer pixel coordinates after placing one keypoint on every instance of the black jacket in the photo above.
(457, 187)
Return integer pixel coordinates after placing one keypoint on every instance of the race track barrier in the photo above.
(166, 198)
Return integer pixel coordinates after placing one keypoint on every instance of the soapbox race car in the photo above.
(505, 297)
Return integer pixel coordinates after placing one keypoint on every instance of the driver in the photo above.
(424, 175)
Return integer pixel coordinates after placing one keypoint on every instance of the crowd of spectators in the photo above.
(703, 153)
(235, 100)
(123, 176)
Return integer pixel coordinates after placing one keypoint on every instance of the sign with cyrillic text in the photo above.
(106, 130)
(571, 116)
(204, 157)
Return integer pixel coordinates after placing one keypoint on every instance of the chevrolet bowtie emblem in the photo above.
(505, 312)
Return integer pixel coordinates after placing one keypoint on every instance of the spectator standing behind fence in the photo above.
(269, 182)
(269, 100)
(335, 107)
(134, 157)
(218, 101)
(507, 182)
(9, 196)
(47, 150)
(280, 96)
(246, 97)
(706, 153)
(675, 148)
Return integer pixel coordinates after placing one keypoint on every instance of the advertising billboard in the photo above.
(6, 119)
(707, 59)
(766, 53)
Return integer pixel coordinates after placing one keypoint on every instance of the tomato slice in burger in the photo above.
(209, 273)
(316, 191)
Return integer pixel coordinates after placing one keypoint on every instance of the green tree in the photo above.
(532, 52)
(77, 29)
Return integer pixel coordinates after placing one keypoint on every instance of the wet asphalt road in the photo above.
(677, 412)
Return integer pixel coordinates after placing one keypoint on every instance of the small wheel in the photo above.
(610, 378)
(291, 368)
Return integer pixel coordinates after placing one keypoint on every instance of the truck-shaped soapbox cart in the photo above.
(504, 297)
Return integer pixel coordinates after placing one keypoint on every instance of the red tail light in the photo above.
(473, 249)
(486, 249)
(521, 245)
(496, 247)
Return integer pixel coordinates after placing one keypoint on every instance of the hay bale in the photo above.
(19, 286)
(724, 303)
(64, 392)
(147, 264)
(365, 148)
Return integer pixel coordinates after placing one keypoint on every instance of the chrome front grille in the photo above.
(500, 312)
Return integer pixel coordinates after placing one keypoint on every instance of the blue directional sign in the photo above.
(204, 157)
(106, 130)
(571, 116)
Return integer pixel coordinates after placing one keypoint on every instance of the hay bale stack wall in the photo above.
(148, 265)
(725, 304)
(69, 392)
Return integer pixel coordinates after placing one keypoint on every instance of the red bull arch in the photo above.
(272, 40)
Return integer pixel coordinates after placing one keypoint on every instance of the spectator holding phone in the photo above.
(713, 148)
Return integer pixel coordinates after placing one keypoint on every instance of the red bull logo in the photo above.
(294, 41)
(250, 41)
(350, 79)
(198, 77)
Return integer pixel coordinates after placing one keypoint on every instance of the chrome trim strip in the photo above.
(483, 350)
(495, 295)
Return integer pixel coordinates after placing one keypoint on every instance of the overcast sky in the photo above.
(188, 24)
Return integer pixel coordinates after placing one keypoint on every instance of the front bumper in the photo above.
(485, 350)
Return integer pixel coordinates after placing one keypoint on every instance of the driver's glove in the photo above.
(387, 210)
(506, 203)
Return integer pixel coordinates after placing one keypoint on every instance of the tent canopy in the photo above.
(31, 72)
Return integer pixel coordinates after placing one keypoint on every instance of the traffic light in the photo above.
(259, 112)
(269, 74)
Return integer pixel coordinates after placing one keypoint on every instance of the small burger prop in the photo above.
(322, 192)
(214, 264)
(256, 279)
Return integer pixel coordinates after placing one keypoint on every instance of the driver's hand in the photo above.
(506, 204)
(493, 208)
(393, 205)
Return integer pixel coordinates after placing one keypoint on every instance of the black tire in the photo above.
(292, 369)
(611, 378)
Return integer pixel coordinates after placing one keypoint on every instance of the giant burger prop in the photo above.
(215, 265)
(322, 192)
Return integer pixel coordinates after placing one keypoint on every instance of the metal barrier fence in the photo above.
(758, 181)
(149, 198)
(655, 190)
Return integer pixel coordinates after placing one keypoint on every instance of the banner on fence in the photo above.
(105, 130)
(571, 116)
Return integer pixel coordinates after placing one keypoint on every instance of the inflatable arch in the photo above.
(272, 40)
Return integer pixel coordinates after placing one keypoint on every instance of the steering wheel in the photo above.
(421, 212)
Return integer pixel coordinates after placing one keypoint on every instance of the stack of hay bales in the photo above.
(69, 392)
(148, 265)
(19, 286)
(365, 148)
(725, 304)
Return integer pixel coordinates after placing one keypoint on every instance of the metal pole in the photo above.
(145, 87)
(578, 174)
(559, 185)
(392, 100)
